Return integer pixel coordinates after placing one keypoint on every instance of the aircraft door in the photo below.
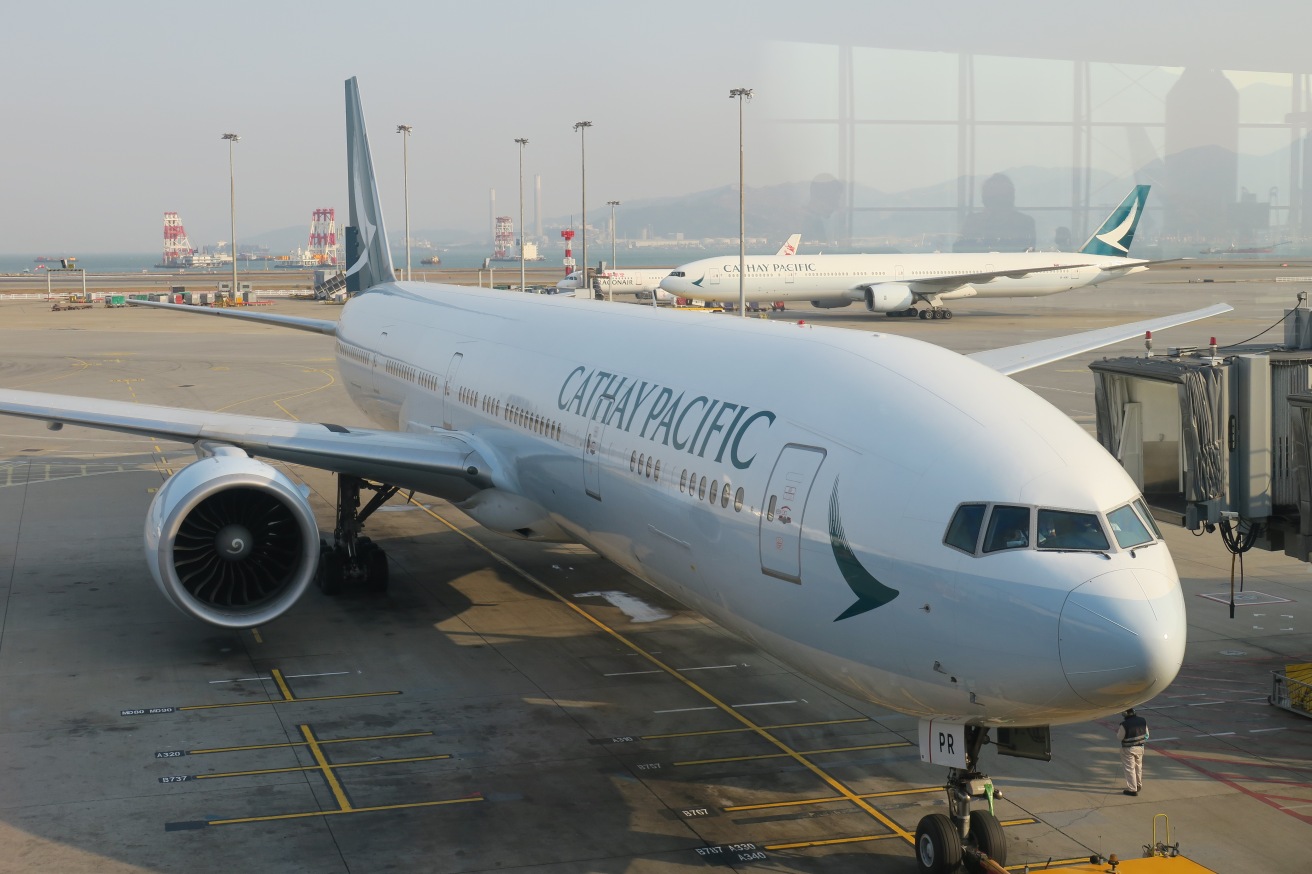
(592, 453)
(789, 277)
(452, 370)
(715, 277)
(783, 509)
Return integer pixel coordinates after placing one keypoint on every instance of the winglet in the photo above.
(368, 259)
(1117, 232)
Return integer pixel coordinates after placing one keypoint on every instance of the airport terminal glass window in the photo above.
(738, 500)
(1147, 517)
(1009, 528)
(963, 530)
(1063, 529)
(1128, 528)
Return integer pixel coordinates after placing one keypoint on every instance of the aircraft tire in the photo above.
(987, 836)
(376, 571)
(328, 576)
(925, 314)
(938, 846)
(947, 314)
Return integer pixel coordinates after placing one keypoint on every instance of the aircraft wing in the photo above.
(318, 326)
(1014, 359)
(408, 460)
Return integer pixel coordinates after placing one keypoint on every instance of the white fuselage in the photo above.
(642, 282)
(798, 438)
(844, 277)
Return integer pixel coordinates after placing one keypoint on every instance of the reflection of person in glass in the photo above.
(999, 226)
(820, 217)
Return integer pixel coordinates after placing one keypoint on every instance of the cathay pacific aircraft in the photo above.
(1004, 574)
(918, 285)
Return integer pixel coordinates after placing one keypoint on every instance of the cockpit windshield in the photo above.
(1063, 529)
(1128, 528)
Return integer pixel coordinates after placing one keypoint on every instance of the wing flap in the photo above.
(1014, 359)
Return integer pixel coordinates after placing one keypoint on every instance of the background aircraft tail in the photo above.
(1117, 232)
(368, 259)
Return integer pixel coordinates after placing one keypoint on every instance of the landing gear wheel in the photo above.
(947, 314)
(938, 313)
(376, 572)
(986, 835)
(329, 574)
(926, 314)
(938, 846)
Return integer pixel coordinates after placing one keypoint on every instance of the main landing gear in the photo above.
(928, 313)
(353, 559)
(964, 835)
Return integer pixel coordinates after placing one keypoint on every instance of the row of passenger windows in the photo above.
(355, 353)
(689, 483)
(987, 528)
(533, 422)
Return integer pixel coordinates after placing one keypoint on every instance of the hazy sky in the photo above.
(113, 112)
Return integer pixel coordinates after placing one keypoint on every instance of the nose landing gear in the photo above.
(974, 837)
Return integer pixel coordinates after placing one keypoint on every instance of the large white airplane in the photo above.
(643, 283)
(1004, 574)
(918, 284)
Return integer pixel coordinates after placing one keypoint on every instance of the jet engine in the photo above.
(830, 304)
(889, 297)
(231, 541)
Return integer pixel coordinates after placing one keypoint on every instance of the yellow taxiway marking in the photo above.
(307, 814)
(763, 728)
(285, 701)
(280, 396)
(255, 633)
(295, 768)
(784, 749)
(775, 805)
(856, 839)
(81, 366)
(333, 783)
(885, 746)
(297, 743)
(282, 685)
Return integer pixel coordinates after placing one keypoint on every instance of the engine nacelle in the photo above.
(231, 541)
(889, 297)
(830, 304)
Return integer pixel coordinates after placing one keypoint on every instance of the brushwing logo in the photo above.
(1113, 237)
(870, 592)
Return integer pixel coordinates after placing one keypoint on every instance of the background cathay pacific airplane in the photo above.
(1004, 573)
(643, 283)
(910, 285)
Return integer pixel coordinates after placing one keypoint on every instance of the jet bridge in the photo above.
(1219, 438)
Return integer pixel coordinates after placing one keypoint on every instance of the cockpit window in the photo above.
(1062, 529)
(1128, 528)
(677, 273)
(1147, 517)
(963, 530)
(1009, 528)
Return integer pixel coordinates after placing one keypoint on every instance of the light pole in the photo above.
(233, 139)
(404, 131)
(582, 128)
(742, 94)
(522, 143)
(610, 293)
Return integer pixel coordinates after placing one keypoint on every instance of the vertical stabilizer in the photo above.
(368, 259)
(1117, 232)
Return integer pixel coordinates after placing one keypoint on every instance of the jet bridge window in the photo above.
(1009, 528)
(1063, 529)
(963, 530)
(1128, 528)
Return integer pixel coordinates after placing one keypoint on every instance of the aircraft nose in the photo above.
(1121, 636)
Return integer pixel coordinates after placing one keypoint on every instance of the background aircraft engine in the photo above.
(889, 298)
(231, 541)
(830, 304)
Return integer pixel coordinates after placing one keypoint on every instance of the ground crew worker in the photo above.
(1132, 733)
